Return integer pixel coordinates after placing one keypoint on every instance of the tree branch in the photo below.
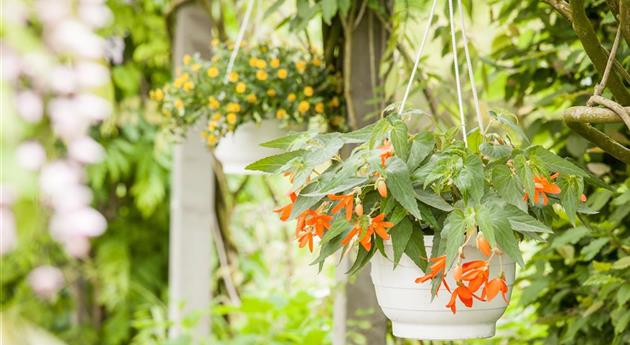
(586, 34)
(562, 7)
(624, 19)
(602, 140)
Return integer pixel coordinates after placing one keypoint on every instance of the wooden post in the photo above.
(358, 294)
(192, 196)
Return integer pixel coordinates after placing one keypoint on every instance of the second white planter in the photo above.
(408, 305)
(238, 149)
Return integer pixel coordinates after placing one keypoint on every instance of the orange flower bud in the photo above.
(382, 188)
(483, 245)
(358, 209)
(583, 197)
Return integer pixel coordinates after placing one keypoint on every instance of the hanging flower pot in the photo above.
(239, 148)
(399, 188)
(264, 93)
(416, 314)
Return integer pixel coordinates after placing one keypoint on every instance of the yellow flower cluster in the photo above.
(287, 84)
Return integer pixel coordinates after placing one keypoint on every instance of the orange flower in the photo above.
(379, 226)
(319, 221)
(285, 211)
(345, 200)
(583, 197)
(542, 186)
(306, 237)
(301, 222)
(438, 266)
(474, 272)
(382, 188)
(483, 245)
(493, 287)
(355, 231)
(386, 151)
(465, 295)
(358, 209)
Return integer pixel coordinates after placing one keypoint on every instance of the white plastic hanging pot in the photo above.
(242, 147)
(408, 304)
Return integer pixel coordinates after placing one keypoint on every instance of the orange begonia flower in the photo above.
(493, 287)
(285, 211)
(319, 221)
(465, 295)
(583, 197)
(379, 226)
(483, 245)
(386, 152)
(356, 230)
(306, 237)
(438, 266)
(345, 200)
(542, 187)
(301, 221)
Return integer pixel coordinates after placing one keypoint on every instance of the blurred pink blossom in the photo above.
(67, 119)
(86, 150)
(93, 107)
(8, 236)
(84, 222)
(91, 74)
(52, 12)
(10, 63)
(62, 80)
(29, 106)
(94, 15)
(30, 155)
(75, 38)
(78, 247)
(73, 198)
(57, 176)
(46, 281)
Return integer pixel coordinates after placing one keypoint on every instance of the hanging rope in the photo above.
(458, 82)
(239, 39)
(418, 54)
(471, 74)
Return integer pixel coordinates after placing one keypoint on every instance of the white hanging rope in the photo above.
(458, 83)
(418, 54)
(471, 74)
(239, 39)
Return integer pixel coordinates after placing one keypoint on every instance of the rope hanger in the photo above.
(455, 65)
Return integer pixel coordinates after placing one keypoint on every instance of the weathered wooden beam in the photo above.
(192, 196)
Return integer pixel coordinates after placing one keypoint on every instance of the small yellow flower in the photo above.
(251, 98)
(317, 62)
(195, 67)
(233, 77)
(240, 87)
(291, 97)
(212, 125)
(231, 118)
(300, 66)
(260, 63)
(334, 102)
(282, 73)
(252, 61)
(261, 75)
(303, 107)
(212, 139)
(213, 72)
(281, 114)
(233, 107)
(179, 104)
(215, 42)
(275, 63)
(157, 95)
(308, 91)
(319, 107)
(337, 120)
(216, 117)
(184, 77)
(186, 59)
(271, 93)
(188, 86)
(213, 103)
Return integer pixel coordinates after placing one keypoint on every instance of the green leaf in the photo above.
(400, 139)
(601, 279)
(588, 253)
(329, 148)
(623, 295)
(510, 123)
(571, 190)
(525, 175)
(508, 186)
(400, 186)
(363, 257)
(433, 200)
(471, 180)
(400, 235)
(475, 139)
(453, 232)
(359, 136)
(283, 142)
(273, 163)
(555, 163)
(495, 151)
(378, 132)
(571, 236)
(339, 226)
(522, 221)
(421, 146)
(338, 185)
(622, 263)
(329, 8)
(416, 250)
(302, 203)
(507, 241)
